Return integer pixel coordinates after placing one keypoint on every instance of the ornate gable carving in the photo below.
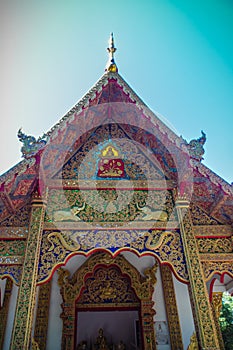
(20, 218)
(199, 217)
(84, 162)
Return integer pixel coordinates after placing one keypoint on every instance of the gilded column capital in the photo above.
(182, 202)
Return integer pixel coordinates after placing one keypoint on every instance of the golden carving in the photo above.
(216, 307)
(217, 303)
(68, 214)
(107, 286)
(165, 245)
(171, 309)
(216, 265)
(215, 245)
(199, 217)
(20, 218)
(152, 214)
(111, 268)
(82, 164)
(41, 326)
(193, 343)
(35, 345)
(11, 270)
(12, 247)
(213, 230)
(66, 240)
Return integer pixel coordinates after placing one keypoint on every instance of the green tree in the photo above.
(226, 321)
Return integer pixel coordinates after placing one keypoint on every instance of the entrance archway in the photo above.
(110, 284)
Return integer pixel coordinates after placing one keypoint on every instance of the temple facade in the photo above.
(114, 234)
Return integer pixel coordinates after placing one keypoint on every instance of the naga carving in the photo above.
(195, 147)
(31, 145)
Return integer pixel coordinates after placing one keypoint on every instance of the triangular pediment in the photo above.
(86, 160)
(113, 101)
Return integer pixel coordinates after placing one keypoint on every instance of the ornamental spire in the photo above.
(111, 65)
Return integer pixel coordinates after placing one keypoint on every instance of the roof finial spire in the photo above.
(111, 65)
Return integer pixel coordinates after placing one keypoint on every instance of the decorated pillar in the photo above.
(147, 314)
(42, 315)
(21, 336)
(217, 307)
(206, 332)
(171, 309)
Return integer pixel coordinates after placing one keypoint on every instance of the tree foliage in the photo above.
(226, 321)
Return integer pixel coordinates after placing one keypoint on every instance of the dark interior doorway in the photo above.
(118, 325)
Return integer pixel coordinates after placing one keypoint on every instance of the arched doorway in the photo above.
(103, 285)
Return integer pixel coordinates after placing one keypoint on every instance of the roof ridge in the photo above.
(215, 178)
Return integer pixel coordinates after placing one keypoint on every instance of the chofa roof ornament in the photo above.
(195, 147)
(31, 145)
(111, 65)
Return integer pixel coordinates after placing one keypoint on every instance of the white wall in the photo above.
(10, 318)
(2, 289)
(184, 311)
(55, 322)
(54, 335)
(160, 316)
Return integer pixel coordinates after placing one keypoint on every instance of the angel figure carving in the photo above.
(152, 214)
(68, 214)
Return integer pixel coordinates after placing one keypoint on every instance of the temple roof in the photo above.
(98, 106)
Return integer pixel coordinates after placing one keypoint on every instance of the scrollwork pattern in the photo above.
(219, 267)
(57, 246)
(12, 247)
(107, 286)
(215, 245)
(12, 271)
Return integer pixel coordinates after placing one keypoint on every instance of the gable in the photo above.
(138, 162)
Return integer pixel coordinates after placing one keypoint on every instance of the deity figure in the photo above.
(101, 342)
(110, 165)
(121, 346)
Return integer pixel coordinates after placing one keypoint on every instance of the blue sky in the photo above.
(176, 54)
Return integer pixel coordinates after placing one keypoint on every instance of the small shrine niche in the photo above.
(110, 165)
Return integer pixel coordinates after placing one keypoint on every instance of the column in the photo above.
(217, 307)
(147, 313)
(21, 336)
(42, 315)
(206, 332)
